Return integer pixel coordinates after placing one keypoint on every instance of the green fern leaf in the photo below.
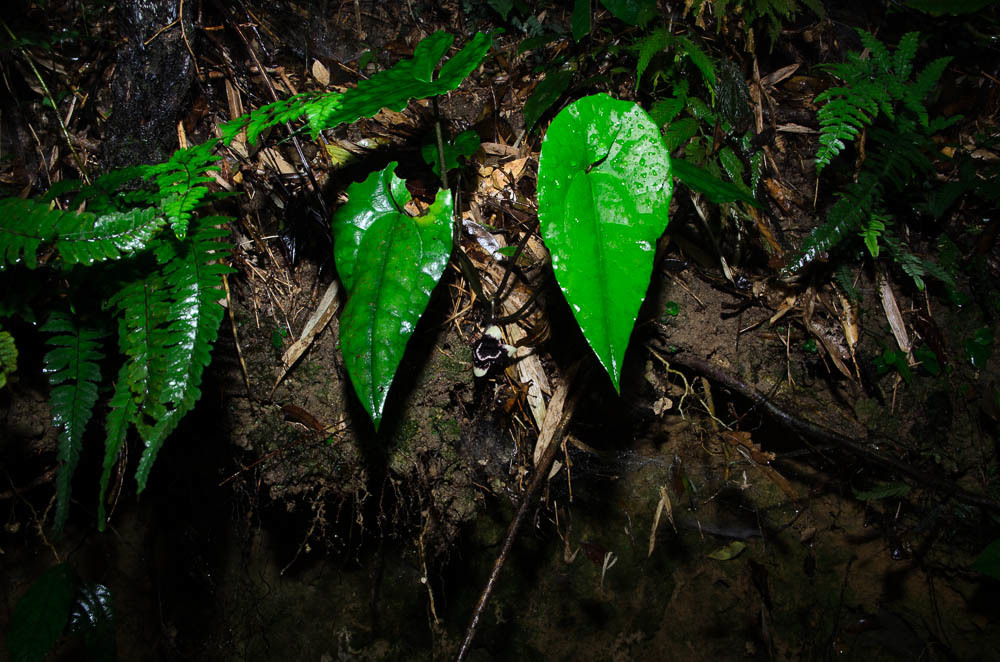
(924, 84)
(78, 237)
(937, 271)
(665, 110)
(276, 114)
(392, 88)
(647, 47)
(680, 132)
(8, 356)
(844, 218)
(897, 156)
(700, 60)
(845, 279)
(894, 159)
(107, 194)
(879, 53)
(86, 239)
(841, 119)
(873, 229)
(121, 416)
(872, 86)
(408, 79)
(195, 279)
(24, 226)
(906, 50)
(182, 183)
(145, 309)
(74, 373)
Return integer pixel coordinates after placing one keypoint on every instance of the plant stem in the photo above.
(440, 143)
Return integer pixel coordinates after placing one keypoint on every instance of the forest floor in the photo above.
(798, 465)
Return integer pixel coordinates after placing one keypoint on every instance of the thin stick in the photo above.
(540, 478)
(440, 144)
(825, 435)
(236, 336)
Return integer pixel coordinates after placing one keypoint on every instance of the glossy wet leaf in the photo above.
(713, 188)
(604, 187)
(546, 93)
(41, 614)
(389, 262)
(93, 617)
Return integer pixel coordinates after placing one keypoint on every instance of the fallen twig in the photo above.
(816, 432)
(539, 479)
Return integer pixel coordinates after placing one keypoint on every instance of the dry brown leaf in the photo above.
(892, 313)
(320, 73)
(324, 312)
(499, 149)
(779, 75)
(272, 158)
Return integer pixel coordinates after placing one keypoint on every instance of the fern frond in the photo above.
(775, 11)
(894, 159)
(845, 279)
(665, 110)
(844, 218)
(182, 183)
(121, 416)
(392, 88)
(273, 114)
(145, 309)
(906, 50)
(8, 356)
(680, 132)
(79, 237)
(87, 239)
(897, 157)
(872, 86)
(873, 229)
(647, 47)
(194, 277)
(939, 272)
(879, 54)
(924, 84)
(106, 194)
(700, 59)
(74, 373)
(24, 226)
(840, 120)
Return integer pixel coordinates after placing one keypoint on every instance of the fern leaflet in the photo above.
(647, 47)
(8, 356)
(122, 413)
(194, 277)
(872, 86)
(182, 183)
(393, 88)
(23, 229)
(72, 367)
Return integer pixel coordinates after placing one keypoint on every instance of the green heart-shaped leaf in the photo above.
(604, 188)
(389, 263)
